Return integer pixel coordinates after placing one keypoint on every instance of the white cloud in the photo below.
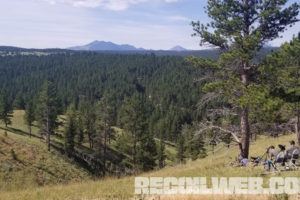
(115, 5)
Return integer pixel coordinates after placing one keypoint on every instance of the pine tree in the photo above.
(281, 71)
(161, 155)
(133, 118)
(47, 111)
(80, 128)
(197, 148)
(88, 115)
(146, 152)
(240, 29)
(104, 124)
(29, 116)
(194, 142)
(6, 112)
(70, 131)
(181, 149)
(105, 121)
(19, 102)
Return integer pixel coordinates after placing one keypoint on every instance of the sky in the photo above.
(151, 24)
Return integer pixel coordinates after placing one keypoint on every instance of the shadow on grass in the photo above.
(82, 155)
(1, 152)
(21, 162)
(19, 132)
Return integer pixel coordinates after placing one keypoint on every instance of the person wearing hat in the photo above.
(293, 151)
(281, 156)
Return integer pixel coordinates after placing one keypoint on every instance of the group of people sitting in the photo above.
(282, 155)
(274, 156)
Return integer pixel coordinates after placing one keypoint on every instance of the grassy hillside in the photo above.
(25, 162)
(213, 165)
(25, 165)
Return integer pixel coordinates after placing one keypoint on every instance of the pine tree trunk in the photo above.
(245, 131)
(48, 141)
(244, 123)
(104, 150)
(298, 106)
(298, 123)
(134, 151)
(298, 132)
(30, 131)
(48, 134)
(5, 132)
(90, 140)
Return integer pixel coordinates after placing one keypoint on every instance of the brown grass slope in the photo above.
(26, 163)
(109, 188)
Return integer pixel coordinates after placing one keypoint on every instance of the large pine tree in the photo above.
(241, 28)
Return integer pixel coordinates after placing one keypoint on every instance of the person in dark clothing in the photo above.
(293, 152)
(281, 156)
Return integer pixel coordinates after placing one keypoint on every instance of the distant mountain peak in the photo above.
(178, 48)
(105, 46)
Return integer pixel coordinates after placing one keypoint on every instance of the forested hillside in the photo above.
(131, 107)
(167, 81)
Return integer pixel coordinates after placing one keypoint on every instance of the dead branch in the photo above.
(212, 127)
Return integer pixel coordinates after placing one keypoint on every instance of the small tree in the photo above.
(105, 121)
(47, 111)
(6, 112)
(104, 124)
(88, 114)
(146, 152)
(80, 128)
(181, 149)
(161, 154)
(29, 116)
(194, 145)
(70, 131)
(133, 118)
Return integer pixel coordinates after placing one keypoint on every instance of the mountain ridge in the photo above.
(110, 46)
(205, 53)
(105, 46)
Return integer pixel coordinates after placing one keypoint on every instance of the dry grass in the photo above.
(26, 163)
(213, 165)
(19, 123)
(216, 165)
